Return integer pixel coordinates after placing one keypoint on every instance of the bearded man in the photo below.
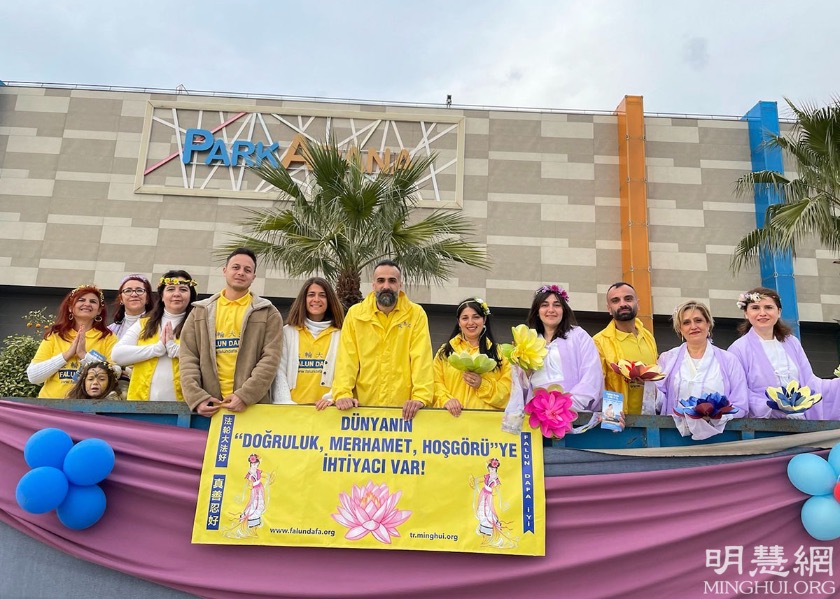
(385, 350)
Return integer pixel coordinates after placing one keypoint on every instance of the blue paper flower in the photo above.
(791, 399)
(711, 406)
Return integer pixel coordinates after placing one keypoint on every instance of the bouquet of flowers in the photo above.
(637, 371)
(527, 350)
(551, 411)
(791, 399)
(467, 362)
(709, 407)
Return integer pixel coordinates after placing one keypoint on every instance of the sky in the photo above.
(715, 57)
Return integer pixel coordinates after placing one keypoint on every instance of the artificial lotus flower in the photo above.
(551, 411)
(632, 370)
(527, 350)
(709, 407)
(371, 509)
(467, 362)
(791, 399)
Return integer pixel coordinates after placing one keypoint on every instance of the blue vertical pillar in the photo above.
(776, 268)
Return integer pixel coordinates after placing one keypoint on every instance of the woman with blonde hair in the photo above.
(78, 334)
(310, 346)
(699, 369)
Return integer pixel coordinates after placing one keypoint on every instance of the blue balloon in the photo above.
(41, 490)
(821, 518)
(47, 447)
(89, 462)
(834, 459)
(810, 474)
(83, 507)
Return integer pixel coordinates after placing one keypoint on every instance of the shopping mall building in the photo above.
(99, 182)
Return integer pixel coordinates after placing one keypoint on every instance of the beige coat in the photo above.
(256, 363)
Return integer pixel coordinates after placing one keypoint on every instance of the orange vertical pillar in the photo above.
(635, 248)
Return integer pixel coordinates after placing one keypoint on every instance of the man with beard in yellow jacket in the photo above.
(385, 351)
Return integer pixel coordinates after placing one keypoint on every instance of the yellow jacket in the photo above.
(493, 394)
(385, 366)
(58, 384)
(609, 349)
(141, 374)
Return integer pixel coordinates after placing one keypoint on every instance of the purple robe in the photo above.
(734, 379)
(580, 363)
(760, 375)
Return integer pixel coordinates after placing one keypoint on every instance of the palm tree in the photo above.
(343, 220)
(809, 202)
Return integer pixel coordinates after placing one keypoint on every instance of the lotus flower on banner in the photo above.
(551, 411)
(637, 371)
(371, 509)
(467, 362)
(710, 407)
(527, 350)
(792, 399)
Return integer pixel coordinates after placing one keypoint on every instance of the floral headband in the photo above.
(177, 281)
(493, 463)
(553, 289)
(484, 307)
(134, 277)
(253, 458)
(92, 289)
(746, 299)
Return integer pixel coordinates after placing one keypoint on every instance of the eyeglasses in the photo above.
(138, 291)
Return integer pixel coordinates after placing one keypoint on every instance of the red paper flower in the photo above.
(551, 412)
(637, 371)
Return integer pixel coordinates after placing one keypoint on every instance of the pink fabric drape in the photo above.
(625, 535)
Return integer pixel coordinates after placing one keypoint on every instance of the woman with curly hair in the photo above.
(79, 333)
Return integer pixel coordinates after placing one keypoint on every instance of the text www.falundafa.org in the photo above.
(302, 531)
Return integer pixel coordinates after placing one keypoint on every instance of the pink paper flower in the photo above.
(551, 412)
(371, 509)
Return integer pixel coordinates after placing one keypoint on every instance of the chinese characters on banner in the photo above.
(288, 475)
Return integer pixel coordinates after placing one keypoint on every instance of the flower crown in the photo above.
(484, 307)
(93, 288)
(493, 463)
(253, 458)
(177, 281)
(553, 289)
(746, 299)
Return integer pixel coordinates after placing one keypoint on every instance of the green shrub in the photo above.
(17, 353)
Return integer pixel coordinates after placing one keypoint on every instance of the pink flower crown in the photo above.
(746, 299)
(553, 289)
(493, 463)
(253, 458)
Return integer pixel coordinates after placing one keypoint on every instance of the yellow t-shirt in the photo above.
(633, 347)
(57, 386)
(311, 354)
(229, 317)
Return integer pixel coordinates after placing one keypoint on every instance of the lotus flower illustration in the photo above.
(637, 371)
(791, 399)
(467, 362)
(527, 350)
(371, 509)
(551, 411)
(710, 407)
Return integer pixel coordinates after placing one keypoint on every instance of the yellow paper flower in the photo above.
(791, 399)
(527, 350)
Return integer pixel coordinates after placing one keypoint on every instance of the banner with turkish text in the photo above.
(366, 478)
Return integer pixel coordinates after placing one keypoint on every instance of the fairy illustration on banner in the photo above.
(487, 504)
(256, 488)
